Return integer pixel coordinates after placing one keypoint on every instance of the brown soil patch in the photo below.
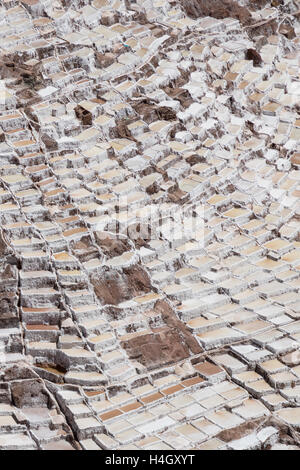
(138, 280)
(219, 9)
(83, 115)
(110, 290)
(181, 95)
(240, 431)
(252, 54)
(48, 141)
(166, 114)
(265, 28)
(104, 60)
(121, 131)
(287, 30)
(84, 250)
(172, 321)
(151, 112)
(140, 234)
(114, 287)
(157, 349)
(177, 196)
(165, 345)
(141, 242)
(287, 435)
(111, 246)
(193, 159)
(29, 393)
(19, 371)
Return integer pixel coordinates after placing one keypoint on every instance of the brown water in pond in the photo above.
(93, 393)
(52, 369)
(42, 327)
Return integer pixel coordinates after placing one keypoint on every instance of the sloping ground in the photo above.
(219, 9)
(149, 212)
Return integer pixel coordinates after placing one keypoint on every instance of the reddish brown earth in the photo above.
(113, 287)
(84, 250)
(176, 195)
(84, 115)
(18, 372)
(180, 94)
(104, 60)
(219, 9)
(49, 142)
(29, 393)
(121, 131)
(111, 246)
(138, 280)
(151, 112)
(165, 345)
(139, 234)
(240, 431)
(253, 55)
(172, 321)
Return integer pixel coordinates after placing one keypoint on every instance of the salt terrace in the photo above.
(150, 234)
